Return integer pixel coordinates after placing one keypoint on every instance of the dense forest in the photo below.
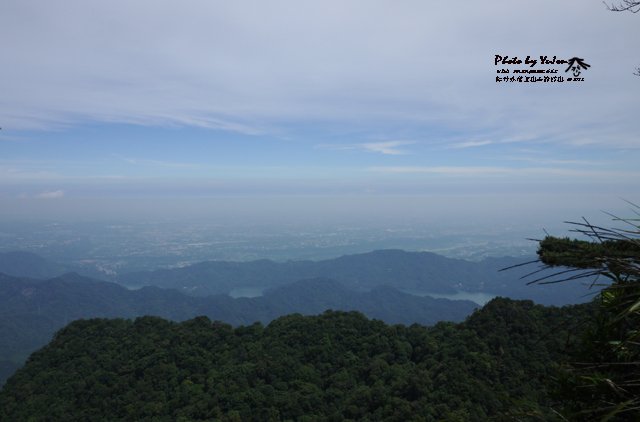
(497, 365)
(31, 311)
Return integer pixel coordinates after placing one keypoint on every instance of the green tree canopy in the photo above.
(605, 381)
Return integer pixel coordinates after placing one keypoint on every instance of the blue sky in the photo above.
(109, 102)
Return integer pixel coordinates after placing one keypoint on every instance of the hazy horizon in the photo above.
(333, 113)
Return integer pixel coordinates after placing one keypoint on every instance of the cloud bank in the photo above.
(253, 67)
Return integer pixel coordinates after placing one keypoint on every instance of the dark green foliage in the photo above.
(334, 367)
(603, 381)
(583, 254)
(32, 310)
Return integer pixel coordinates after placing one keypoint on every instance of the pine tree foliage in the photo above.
(604, 381)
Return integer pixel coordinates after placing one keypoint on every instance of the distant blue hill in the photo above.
(27, 264)
(417, 272)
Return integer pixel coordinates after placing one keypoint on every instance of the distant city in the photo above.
(115, 247)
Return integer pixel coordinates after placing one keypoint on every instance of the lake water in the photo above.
(246, 292)
(477, 297)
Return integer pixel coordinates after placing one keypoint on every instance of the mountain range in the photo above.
(416, 272)
(37, 297)
(33, 310)
(419, 273)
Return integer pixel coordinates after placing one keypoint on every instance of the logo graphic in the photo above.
(544, 69)
(576, 63)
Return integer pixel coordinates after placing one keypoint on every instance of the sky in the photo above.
(343, 110)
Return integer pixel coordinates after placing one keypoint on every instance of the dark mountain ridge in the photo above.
(415, 272)
(422, 272)
(31, 310)
(27, 264)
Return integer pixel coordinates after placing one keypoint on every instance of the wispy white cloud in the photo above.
(444, 170)
(498, 137)
(20, 172)
(553, 161)
(382, 147)
(159, 163)
(387, 148)
(56, 194)
(505, 171)
(245, 67)
(470, 144)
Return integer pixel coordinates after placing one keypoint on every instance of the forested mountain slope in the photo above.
(333, 367)
(32, 310)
